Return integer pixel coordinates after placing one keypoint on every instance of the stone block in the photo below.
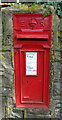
(6, 61)
(7, 28)
(0, 79)
(5, 91)
(4, 103)
(57, 56)
(0, 22)
(0, 42)
(61, 24)
(7, 81)
(1, 107)
(57, 71)
(56, 89)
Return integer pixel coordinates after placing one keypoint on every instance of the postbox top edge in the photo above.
(29, 14)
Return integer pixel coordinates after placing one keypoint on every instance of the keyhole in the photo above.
(27, 81)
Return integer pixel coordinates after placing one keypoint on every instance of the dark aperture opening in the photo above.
(32, 39)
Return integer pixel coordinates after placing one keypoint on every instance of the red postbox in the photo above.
(32, 43)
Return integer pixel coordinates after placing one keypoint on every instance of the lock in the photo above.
(26, 81)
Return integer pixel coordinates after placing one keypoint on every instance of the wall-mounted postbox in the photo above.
(32, 43)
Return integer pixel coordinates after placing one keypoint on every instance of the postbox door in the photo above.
(32, 75)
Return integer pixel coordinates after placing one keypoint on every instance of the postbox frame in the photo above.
(18, 50)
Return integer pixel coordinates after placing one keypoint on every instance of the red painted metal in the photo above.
(32, 34)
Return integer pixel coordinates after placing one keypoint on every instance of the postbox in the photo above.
(32, 43)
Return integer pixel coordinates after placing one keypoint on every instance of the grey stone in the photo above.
(61, 24)
(7, 28)
(0, 22)
(1, 106)
(0, 79)
(4, 102)
(5, 91)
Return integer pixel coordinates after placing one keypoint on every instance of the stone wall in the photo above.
(7, 90)
(0, 65)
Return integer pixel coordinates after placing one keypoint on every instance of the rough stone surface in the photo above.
(9, 109)
(0, 65)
